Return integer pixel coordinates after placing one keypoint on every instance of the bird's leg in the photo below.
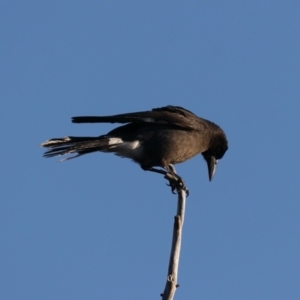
(175, 181)
(171, 168)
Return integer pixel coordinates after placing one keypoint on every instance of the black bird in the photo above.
(157, 138)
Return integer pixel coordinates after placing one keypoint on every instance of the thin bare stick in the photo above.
(172, 284)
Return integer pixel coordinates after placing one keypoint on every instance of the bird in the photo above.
(156, 139)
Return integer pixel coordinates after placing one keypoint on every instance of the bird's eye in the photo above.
(219, 152)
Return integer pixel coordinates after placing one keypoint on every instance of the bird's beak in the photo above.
(212, 167)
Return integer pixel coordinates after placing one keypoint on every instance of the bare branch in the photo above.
(172, 283)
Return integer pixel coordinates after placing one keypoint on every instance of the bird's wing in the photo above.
(170, 115)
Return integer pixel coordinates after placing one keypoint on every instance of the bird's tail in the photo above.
(72, 144)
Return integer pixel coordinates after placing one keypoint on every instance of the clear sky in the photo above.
(98, 227)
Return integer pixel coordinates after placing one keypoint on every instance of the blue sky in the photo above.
(99, 227)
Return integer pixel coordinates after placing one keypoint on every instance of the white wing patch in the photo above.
(115, 141)
(124, 149)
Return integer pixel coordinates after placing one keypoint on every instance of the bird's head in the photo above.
(217, 148)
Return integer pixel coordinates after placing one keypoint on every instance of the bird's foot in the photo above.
(176, 183)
